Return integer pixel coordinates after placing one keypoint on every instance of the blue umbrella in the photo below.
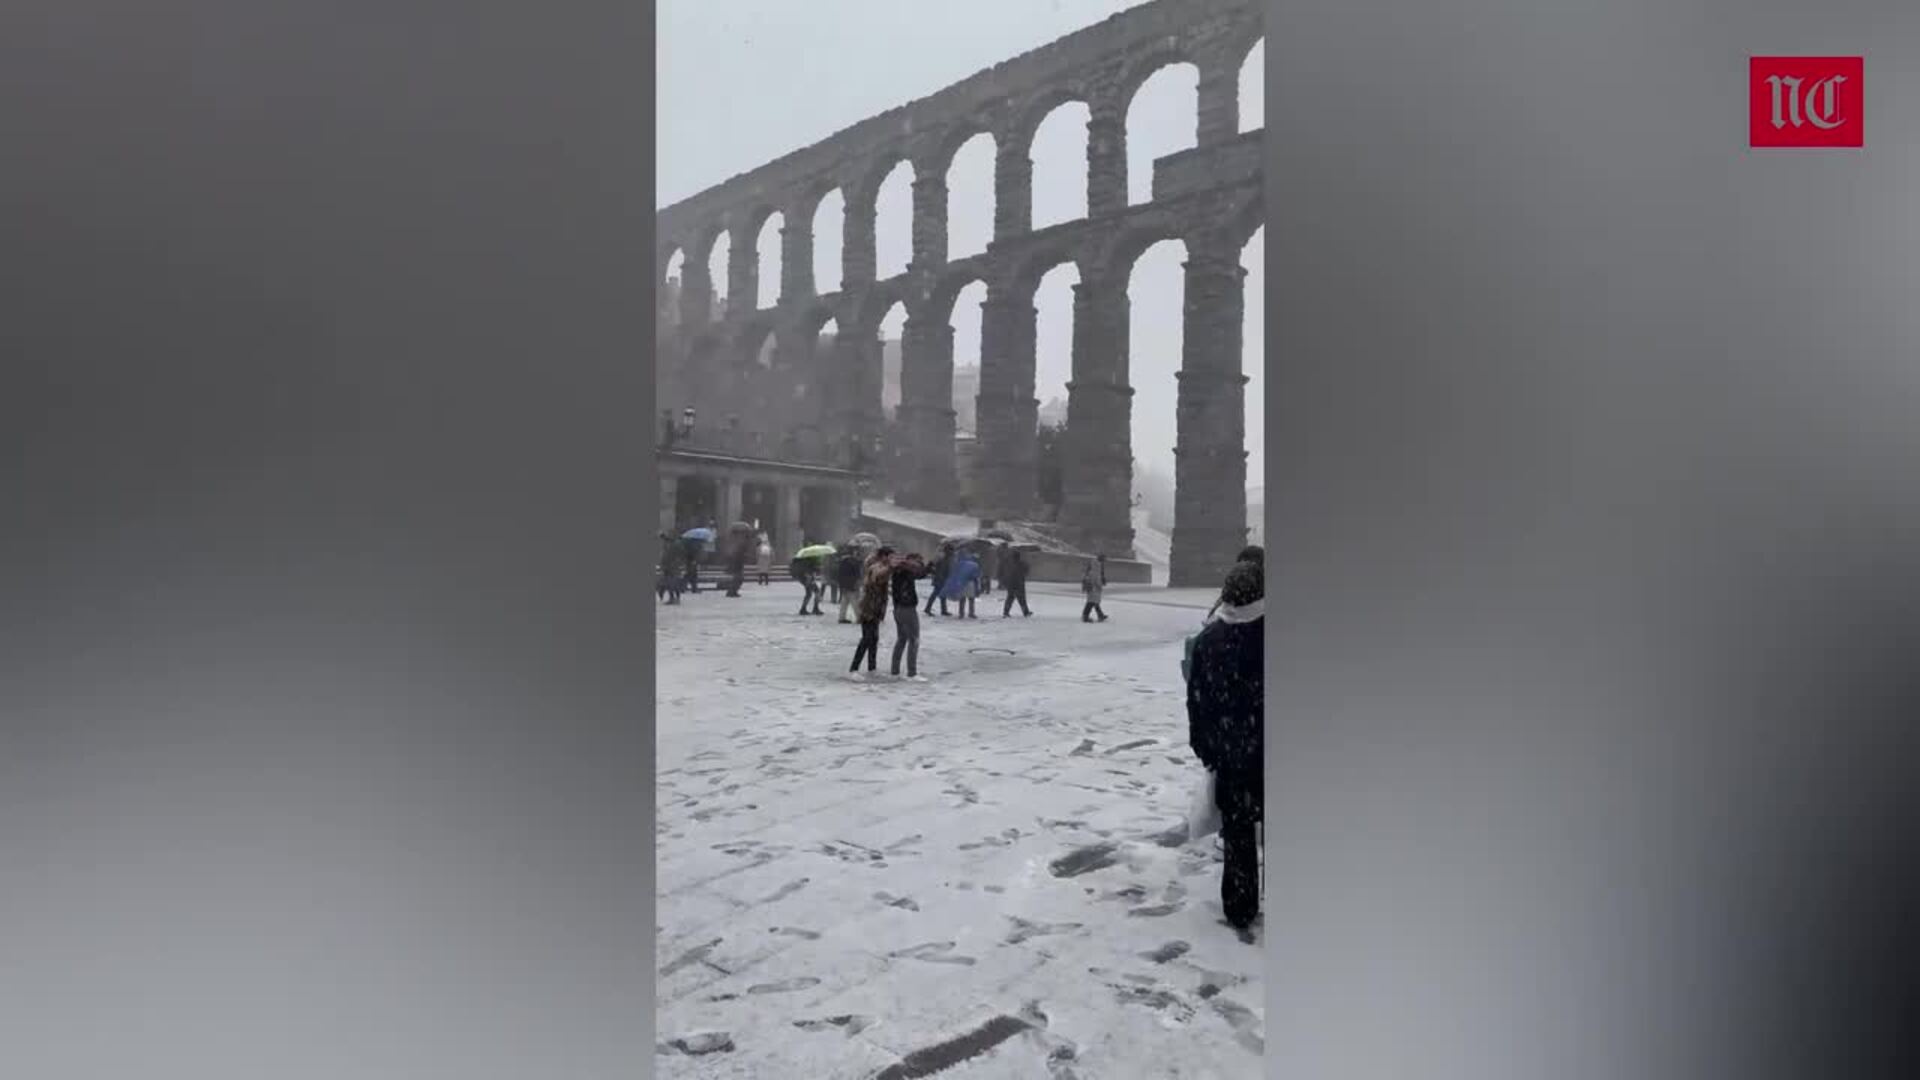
(703, 534)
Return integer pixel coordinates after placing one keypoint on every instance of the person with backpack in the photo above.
(1092, 581)
(906, 614)
(873, 591)
(1226, 727)
(1013, 581)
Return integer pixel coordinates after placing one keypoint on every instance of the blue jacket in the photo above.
(965, 570)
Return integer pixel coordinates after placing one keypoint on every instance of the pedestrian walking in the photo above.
(764, 561)
(873, 590)
(1013, 581)
(963, 585)
(906, 614)
(667, 581)
(847, 572)
(736, 565)
(1226, 726)
(942, 568)
(807, 572)
(690, 558)
(1092, 581)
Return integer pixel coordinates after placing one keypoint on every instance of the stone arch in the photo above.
(1251, 79)
(667, 284)
(889, 327)
(1055, 135)
(1026, 274)
(1150, 271)
(972, 196)
(716, 247)
(769, 222)
(885, 189)
(879, 300)
(1162, 116)
(827, 216)
(946, 291)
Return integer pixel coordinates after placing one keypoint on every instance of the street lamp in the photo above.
(671, 431)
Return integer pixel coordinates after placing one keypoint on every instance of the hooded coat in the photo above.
(874, 582)
(965, 571)
(1226, 693)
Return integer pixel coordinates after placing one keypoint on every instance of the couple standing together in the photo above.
(887, 577)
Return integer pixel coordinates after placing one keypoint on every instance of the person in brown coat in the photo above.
(875, 577)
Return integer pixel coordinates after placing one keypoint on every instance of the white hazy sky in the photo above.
(742, 82)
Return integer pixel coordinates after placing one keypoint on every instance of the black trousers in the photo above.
(812, 599)
(1241, 796)
(935, 595)
(906, 628)
(1016, 594)
(869, 648)
(1088, 611)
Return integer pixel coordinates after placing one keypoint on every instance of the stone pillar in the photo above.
(743, 274)
(669, 501)
(1219, 94)
(1107, 161)
(696, 294)
(787, 538)
(796, 255)
(925, 418)
(1006, 413)
(1098, 484)
(856, 360)
(857, 256)
(929, 221)
(1210, 456)
(732, 499)
(1012, 191)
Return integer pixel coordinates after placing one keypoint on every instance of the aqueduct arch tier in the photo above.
(1210, 197)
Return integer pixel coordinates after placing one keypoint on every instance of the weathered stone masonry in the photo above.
(1209, 197)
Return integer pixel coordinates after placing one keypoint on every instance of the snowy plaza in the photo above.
(983, 875)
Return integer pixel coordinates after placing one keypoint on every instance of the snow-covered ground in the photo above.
(868, 880)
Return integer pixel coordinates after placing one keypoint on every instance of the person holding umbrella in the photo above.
(806, 570)
(692, 542)
(963, 583)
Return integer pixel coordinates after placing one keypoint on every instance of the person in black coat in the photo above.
(846, 576)
(906, 613)
(1013, 581)
(736, 566)
(1226, 726)
(667, 584)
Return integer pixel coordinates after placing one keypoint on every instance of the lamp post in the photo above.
(672, 431)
